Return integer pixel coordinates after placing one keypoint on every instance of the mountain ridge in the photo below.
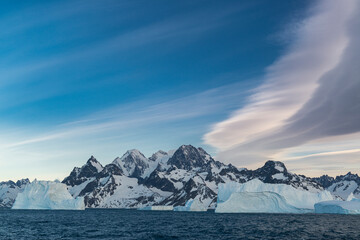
(174, 178)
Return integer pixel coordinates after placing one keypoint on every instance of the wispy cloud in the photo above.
(41, 72)
(175, 31)
(309, 93)
(130, 122)
(142, 113)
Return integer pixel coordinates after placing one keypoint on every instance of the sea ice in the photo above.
(47, 195)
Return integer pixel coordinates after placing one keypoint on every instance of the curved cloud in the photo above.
(310, 93)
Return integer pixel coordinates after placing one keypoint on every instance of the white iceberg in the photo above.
(157, 208)
(193, 205)
(257, 202)
(291, 199)
(47, 195)
(339, 207)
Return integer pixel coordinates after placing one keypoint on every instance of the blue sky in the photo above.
(81, 78)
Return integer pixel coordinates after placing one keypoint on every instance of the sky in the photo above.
(246, 80)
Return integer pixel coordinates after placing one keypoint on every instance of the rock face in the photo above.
(342, 186)
(9, 191)
(80, 175)
(174, 178)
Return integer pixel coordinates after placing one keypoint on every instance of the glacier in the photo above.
(339, 207)
(192, 205)
(47, 195)
(234, 197)
(257, 202)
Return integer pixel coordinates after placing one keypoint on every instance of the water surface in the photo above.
(133, 224)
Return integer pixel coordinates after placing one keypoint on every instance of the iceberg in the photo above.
(338, 207)
(257, 202)
(47, 195)
(298, 198)
(193, 206)
(157, 208)
(256, 196)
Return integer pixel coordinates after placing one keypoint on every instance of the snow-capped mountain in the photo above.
(169, 178)
(175, 178)
(275, 172)
(134, 164)
(9, 190)
(341, 186)
(80, 175)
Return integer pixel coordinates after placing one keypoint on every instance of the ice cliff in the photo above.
(192, 205)
(257, 202)
(339, 207)
(256, 196)
(47, 195)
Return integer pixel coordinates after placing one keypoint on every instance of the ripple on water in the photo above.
(132, 224)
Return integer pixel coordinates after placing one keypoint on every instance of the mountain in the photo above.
(341, 186)
(275, 172)
(9, 191)
(134, 164)
(169, 178)
(175, 178)
(80, 175)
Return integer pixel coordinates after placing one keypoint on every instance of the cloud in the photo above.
(175, 31)
(308, 94)
(142, 124)
(143, 113)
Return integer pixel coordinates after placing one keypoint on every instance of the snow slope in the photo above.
(133, 163)
(343, 189)
(47, 195)
(341, 186)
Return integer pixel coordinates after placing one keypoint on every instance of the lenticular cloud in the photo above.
(309, 93)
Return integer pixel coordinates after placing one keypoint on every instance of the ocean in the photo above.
(134, 224)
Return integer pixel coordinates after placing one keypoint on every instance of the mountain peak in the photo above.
(188, 147)
(22, 182)
(188, 157)
(94, 163)
(90, 169)
(158, 155)
(348, 177)
(133, 163)
(133, 153)
(276, 165)
(324, 180)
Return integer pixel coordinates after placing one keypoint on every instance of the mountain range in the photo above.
(174, 178)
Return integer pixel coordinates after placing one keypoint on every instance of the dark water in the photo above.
(133, 224)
